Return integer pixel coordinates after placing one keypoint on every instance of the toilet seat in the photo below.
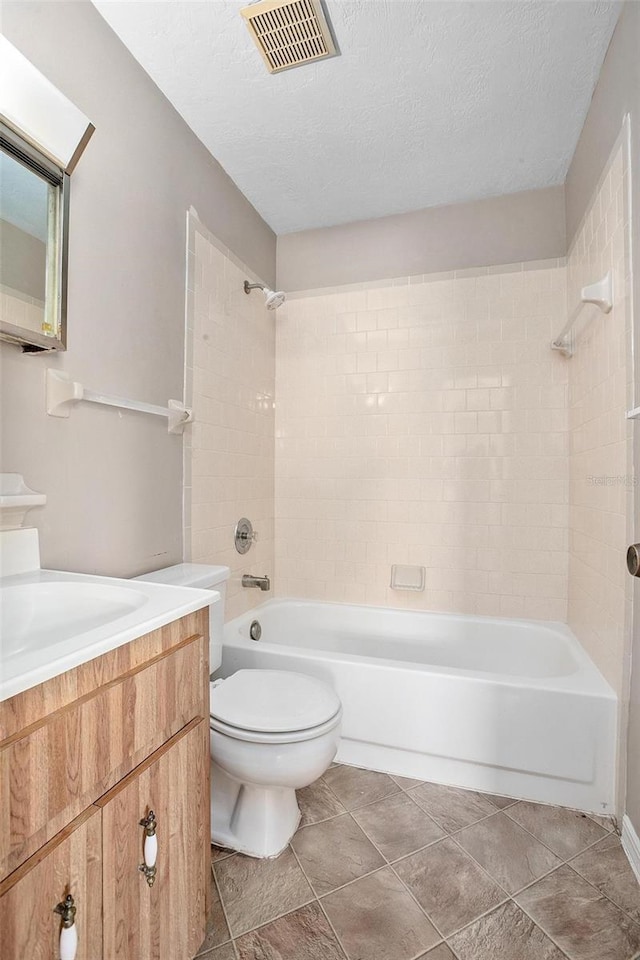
(271, 703)
(291, 736)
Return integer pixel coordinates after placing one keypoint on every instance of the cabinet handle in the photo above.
(68, 930)
(150, 848)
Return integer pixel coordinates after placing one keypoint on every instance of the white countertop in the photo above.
(51, 621)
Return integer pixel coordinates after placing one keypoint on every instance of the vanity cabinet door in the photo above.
(69, 864)
(162, 915)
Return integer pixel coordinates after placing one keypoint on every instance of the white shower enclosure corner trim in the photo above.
(511, 707)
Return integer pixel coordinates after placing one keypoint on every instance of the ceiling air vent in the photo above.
(289, 33)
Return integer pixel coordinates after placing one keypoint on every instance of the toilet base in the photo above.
(255, 820)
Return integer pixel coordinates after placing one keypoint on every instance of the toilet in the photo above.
(271, 733)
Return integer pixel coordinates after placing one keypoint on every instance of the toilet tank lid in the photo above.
(200, 575)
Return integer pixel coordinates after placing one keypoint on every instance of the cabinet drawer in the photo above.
(164, 920)
(68, 864)
(53, 770)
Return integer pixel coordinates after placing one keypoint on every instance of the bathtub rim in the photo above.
(586, 681)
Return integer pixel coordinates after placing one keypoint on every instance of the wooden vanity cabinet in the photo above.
(134, 741)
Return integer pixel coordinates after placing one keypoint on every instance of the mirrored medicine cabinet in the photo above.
(34, 236)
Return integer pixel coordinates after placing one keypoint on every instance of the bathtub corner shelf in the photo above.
(63, 393)
(601, 295)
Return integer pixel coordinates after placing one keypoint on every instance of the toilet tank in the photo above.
(204, 577)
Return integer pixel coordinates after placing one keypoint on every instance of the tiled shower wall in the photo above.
(229, 451)
(424, 421)
(600, 393)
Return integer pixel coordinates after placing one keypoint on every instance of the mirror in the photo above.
(34, 203)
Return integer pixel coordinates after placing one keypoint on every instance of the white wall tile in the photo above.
(450, 409)
(232, 441)
(600, 437)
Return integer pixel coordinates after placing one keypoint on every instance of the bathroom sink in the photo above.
(52, 621)
(33, 615)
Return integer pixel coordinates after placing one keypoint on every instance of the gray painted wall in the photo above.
(508, 229)
(114, 483)
(617, 93)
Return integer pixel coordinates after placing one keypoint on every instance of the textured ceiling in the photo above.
(429, 103)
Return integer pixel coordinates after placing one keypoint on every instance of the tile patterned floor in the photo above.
(386, 868)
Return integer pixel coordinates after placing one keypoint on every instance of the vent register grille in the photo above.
(289, 33)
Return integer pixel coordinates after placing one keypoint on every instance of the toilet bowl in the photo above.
(271, 733)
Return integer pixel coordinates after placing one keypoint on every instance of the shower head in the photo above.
(272, 298)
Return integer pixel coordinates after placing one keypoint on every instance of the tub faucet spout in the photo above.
(248, 580)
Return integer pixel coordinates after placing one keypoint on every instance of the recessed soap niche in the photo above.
(407, 577)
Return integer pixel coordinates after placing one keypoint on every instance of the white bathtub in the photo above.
(513, 707)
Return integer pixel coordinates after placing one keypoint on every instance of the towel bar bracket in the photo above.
(601, 295)
(62, 393)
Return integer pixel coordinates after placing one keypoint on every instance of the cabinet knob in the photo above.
(150, 848)
(68, 930)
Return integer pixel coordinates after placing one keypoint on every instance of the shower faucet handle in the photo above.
(244, 535)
